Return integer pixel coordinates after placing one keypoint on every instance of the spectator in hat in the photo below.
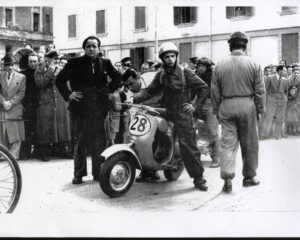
(53, 120)
(206, 114)
(12, 91)
(193, 63)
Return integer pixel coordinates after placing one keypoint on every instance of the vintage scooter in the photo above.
(151, 147)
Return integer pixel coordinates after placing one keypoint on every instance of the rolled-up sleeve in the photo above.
(215, 93)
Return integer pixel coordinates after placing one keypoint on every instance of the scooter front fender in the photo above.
(121, 148)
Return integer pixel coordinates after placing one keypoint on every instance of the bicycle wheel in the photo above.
(10, 181)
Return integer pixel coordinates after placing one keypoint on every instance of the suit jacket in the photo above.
(95, 87)
(276, 90)
(13, 92)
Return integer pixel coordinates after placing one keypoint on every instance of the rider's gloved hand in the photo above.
(188, 108)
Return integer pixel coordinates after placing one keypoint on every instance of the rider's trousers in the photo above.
(185, 131)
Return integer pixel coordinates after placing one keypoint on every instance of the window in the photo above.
(289, 10)
(184, 15)
(36, 22)
(8, 17)
(100, 21)
(140, 17)
(239, 11)
(47, 23)
(72, 26)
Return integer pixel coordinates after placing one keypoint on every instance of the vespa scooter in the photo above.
(151, 147)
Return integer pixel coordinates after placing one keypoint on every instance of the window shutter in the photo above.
(249, 11)
(193, 14)
(100, 21)
(72, 25)
(229, 12)
(140, 17)
(177, 15)
(143, 17)
(137, 18)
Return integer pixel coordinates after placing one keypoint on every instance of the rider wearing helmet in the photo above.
(176, 83)
(204, 71)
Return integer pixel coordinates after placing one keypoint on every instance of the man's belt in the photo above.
(229, 97)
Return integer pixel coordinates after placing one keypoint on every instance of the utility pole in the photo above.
(120, 33)
(210, 32)
(156, 38)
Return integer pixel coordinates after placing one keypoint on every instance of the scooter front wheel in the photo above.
(117, 175)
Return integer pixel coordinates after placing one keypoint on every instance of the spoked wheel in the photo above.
(10, 181)
(117, 175)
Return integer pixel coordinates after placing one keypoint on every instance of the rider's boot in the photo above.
(200, 184)
(147, 175)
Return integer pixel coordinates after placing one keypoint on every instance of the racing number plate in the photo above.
(139, 125)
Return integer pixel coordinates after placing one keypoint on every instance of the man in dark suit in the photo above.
(30, 105)
(88, 103)
(277, 89)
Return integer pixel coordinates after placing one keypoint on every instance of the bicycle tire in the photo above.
(17, 175)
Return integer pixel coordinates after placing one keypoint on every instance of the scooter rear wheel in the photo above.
(174, 174)
(117, 175)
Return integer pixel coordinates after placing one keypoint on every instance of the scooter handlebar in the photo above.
(150, 110)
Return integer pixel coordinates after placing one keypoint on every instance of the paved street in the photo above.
(47, 188)
(51, 206)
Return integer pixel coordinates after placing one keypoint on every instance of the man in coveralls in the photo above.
(237, 94)
(88, 103)
(177, 101)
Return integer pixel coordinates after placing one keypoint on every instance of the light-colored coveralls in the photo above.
(237, 94)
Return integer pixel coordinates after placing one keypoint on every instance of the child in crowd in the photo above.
(291, 112)
(114, 114)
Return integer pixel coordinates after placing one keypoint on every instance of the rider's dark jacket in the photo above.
(171, 83)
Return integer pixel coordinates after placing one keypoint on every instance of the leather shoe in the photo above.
(77, 180)
(227, 186)
(215, 165)
(45, 158)
(95, 178)
(249, 182)
(147, 176)
(200, 184)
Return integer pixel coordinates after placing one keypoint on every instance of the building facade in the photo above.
(198, 29)
(25, 25)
